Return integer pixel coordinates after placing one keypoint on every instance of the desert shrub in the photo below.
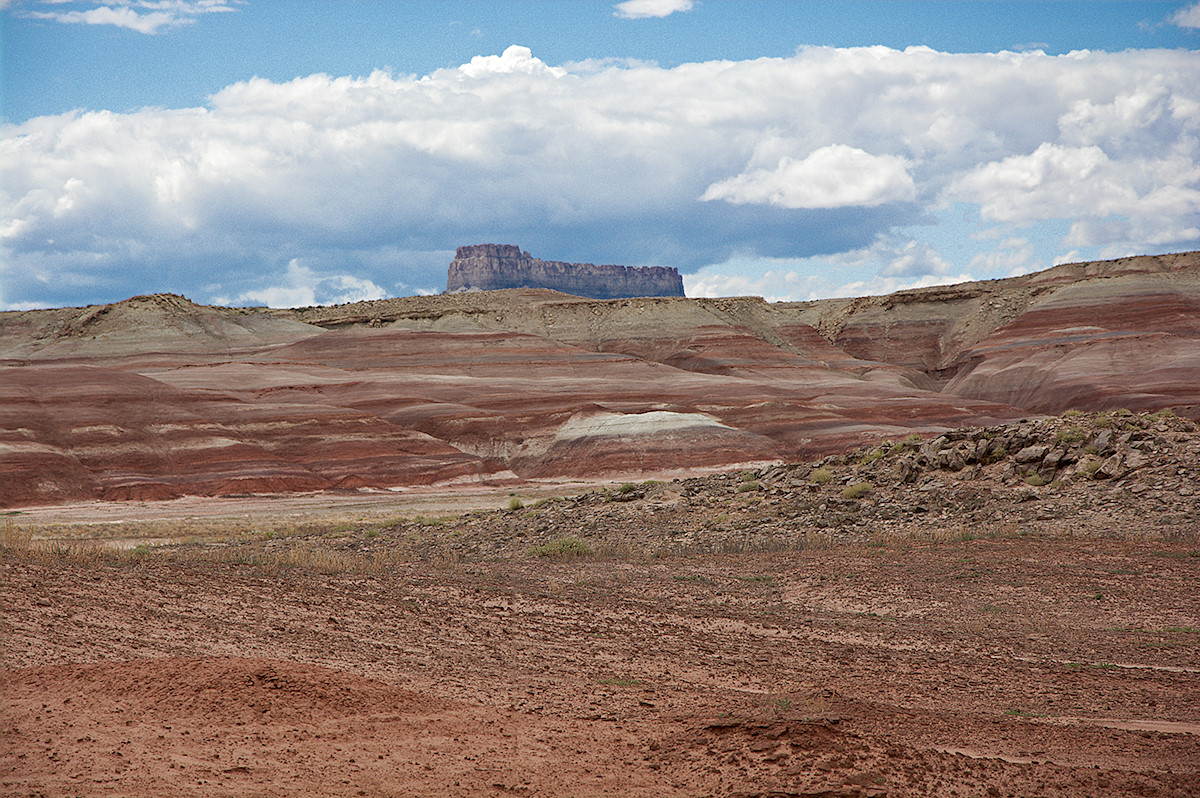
(515, 503)
(873, 456)
(1072, 414)
(14, 537)
(1070, 435)
(857, 490)
(1091, 467)
(747, 487)
(1035, 480)
(821, 475)
(562, 548)
(627, 487)
(1166, 412)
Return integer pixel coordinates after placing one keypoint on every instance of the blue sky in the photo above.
(313, 152)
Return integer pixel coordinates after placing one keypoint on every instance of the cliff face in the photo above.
(489, 267)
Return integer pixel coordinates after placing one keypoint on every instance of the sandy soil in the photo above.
(987, 667)
(968, 633)
(200, 518)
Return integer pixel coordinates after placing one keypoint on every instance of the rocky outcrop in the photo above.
(490, 267)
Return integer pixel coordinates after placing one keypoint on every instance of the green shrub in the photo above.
(821, 475)
(515, 503)
(1070, 435)
(1035, 480)
(747, 487)
(857, 490)
(872, 456)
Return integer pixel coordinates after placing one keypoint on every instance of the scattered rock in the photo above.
(1031, 454)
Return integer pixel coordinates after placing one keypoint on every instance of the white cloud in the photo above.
(1012, 258)
(301, 287)
(772, 285)
(1152, 200)
(835, 176)
(912, 259)
(889, 264)
(514, 59)
(144, 16)
(1187, 17)
(825, 152)
(645, 9)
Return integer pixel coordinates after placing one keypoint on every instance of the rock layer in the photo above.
(490, 267)
(156, 397)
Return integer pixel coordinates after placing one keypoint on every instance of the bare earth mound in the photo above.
(156, 398)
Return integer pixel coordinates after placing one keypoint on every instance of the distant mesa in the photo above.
(490, 267)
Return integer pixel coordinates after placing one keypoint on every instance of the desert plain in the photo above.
(944, 542)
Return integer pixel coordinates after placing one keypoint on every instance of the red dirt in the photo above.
(991, 667)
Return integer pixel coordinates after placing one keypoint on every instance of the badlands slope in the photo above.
(156, 397)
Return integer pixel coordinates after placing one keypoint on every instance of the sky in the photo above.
(258, 152)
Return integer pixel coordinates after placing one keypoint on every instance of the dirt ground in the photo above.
(496, 654)
(986, 667)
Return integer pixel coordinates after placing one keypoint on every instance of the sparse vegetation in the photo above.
(820, 476)
(857, 490)
(562, 548)
(515, 503)
(1070, 435)
(874, 455)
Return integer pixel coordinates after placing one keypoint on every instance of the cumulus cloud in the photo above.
(885, 266)
(1187, 17)
(514, 59)
(835, 176)
(773, 285)
(300, 286)
(144, 16)
(378, 178)
(1012, 258)
(644, 9)
(1154, 200)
